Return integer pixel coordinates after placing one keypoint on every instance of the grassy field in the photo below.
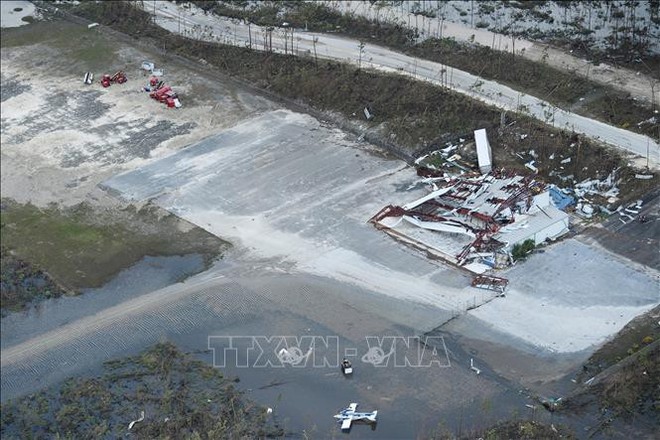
(92, 51)
(181, 398)
(83, 247)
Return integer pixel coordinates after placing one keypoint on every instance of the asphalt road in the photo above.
(192, 23)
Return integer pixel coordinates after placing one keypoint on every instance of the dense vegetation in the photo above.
(520, 251)
(182, 398)
(22, 283)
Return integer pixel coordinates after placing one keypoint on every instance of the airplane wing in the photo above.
(352, 407)
(346, 423)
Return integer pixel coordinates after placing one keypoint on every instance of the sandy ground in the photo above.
(9, 17)
(61, 138)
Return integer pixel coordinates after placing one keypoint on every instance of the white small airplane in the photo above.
(348, 415)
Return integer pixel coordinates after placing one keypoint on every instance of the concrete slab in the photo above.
(286, 188)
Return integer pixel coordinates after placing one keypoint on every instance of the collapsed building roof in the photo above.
(485, 214)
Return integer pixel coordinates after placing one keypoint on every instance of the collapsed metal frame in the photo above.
(520, 191)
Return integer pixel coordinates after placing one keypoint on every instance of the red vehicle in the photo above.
(119, 78)
(166, 95)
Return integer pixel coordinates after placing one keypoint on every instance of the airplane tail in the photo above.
(373, 416)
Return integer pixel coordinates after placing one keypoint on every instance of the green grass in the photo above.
(77, 48)
(79, 250)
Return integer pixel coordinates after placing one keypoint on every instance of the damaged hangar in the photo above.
(474, 221)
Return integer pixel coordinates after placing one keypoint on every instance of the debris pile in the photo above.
(440, 163)
(628, 214)
(490, 282)
(494, 211)
(157, 88)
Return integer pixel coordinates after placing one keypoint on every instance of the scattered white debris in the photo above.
(148, 66)
(269, 410)
(644, 176)
(445, 151)
(565, 161)
(92, 25)
(531, 166)
(473, 368)
(588, 209)
(651, 120)
(130, 425)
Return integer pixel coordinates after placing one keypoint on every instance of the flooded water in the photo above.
(149, 274)
(411, 402)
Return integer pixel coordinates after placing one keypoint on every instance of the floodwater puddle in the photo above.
(147, 275)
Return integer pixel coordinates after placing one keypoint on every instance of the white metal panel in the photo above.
(483, 151)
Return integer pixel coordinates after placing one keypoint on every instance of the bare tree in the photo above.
(361, 53)
(316, 59)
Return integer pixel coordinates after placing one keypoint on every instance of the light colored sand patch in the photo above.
(11, 18)
(60, 138)
(557, 328)
(571, 297)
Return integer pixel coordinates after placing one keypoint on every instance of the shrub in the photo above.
(521, 250)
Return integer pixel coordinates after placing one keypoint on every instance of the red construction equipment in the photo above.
(166, 95)
(119, 78)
